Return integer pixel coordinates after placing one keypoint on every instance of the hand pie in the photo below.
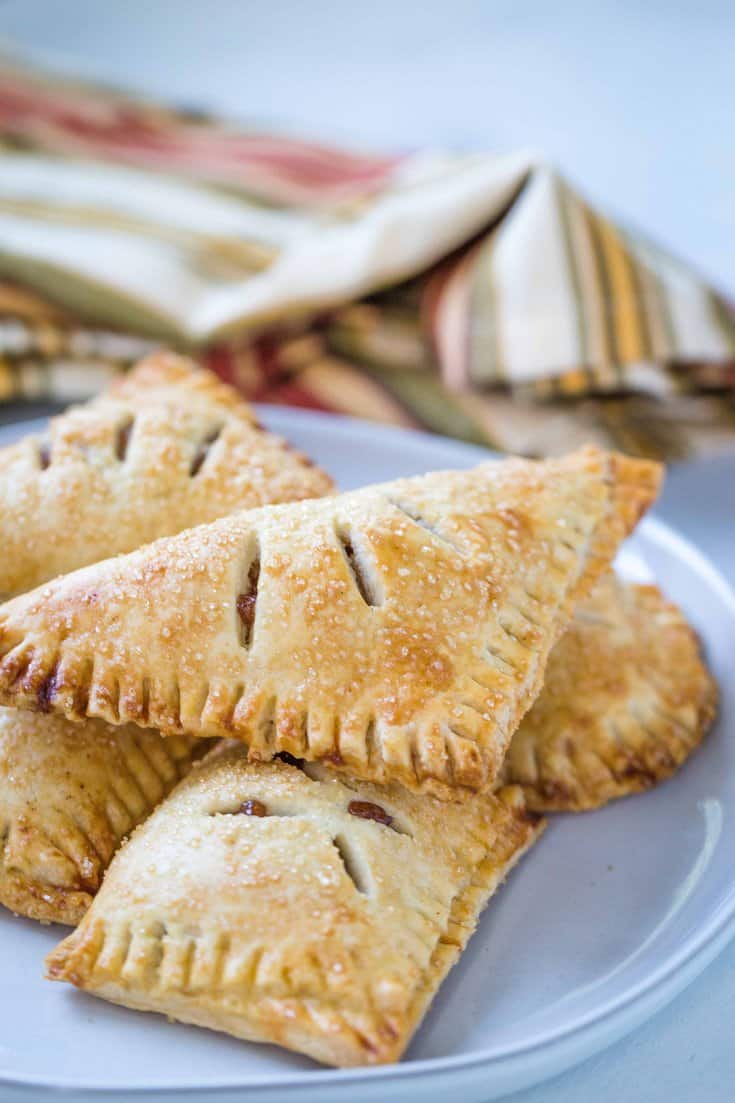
(294, 907)
(70, 793)
(167, 447)
(399, 632)
(626, 699)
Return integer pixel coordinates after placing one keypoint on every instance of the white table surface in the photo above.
(634, 102)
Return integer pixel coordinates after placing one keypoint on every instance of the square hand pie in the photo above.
(626, 700)
(398, 632)
(166, 448)
(294, 906)
(70, 794)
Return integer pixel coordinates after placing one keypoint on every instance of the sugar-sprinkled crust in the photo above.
(166, 447)
(398, 632)
(626, 700)
(305, 924)
(70, 794)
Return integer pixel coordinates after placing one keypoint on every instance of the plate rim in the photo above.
(658, 987)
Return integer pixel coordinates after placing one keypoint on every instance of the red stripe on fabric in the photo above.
(267, 350)
(132, 131)
(293, 394)
(220, 359)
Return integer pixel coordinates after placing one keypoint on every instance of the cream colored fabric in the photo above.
(479, 295)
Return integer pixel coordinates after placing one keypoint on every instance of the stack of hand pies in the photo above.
(303, 736)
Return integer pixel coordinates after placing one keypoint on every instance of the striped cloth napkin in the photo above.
(476, 295)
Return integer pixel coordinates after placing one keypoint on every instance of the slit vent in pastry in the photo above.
(168, 446)
(412, 658)
(307, 926)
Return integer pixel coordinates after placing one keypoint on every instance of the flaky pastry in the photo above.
(626, 700)
(398, 632)
(69, 793)
(293, 906)
(166, 447)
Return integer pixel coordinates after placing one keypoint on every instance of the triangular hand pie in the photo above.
(167, 447)
(626, 699)
(294, 907)
(399, 632)
(70, 794)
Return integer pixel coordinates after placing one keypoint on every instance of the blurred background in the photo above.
(634, 101)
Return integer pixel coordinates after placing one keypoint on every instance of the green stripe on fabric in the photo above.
(426, 398)
(726, 404)
(603, 277)
(90, 300)
(634, 428)
(724, 319)
(483, 336)
(583, 337)
(396, 343)
(666, 312)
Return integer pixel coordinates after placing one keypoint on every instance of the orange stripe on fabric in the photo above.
(575, 382)
(624, 303)
(660, 332)
(591, 291)
(604, 286)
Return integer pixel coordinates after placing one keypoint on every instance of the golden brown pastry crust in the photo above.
(70, 794)
(398, 632)
(324, 920)
(166, 447)
(626, 700)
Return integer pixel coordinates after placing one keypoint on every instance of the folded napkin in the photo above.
(477, 295)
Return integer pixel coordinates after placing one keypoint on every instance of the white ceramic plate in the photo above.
(607, 918)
